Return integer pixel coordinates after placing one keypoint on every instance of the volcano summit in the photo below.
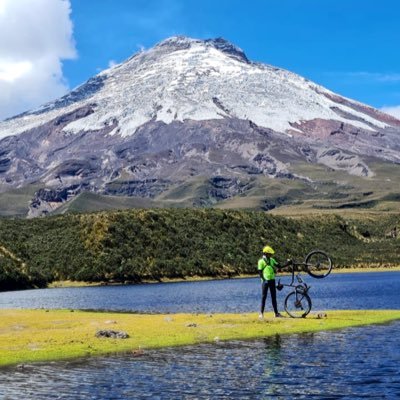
(195, 123)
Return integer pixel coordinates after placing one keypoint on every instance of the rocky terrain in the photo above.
(190, 110)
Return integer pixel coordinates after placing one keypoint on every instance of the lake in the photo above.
(353, 363)
(337, 291)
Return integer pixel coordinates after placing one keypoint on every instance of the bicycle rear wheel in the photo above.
(297, 305)
(318, 264)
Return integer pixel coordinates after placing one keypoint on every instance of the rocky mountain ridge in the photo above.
(188, 108)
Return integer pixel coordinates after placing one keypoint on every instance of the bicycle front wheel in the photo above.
(318, 264)
(297, 305)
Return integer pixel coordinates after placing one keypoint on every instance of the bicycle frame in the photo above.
(298, 302)
(299, 297)
(302, 284)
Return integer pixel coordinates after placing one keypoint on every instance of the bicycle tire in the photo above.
(298, 305)
(318, 264)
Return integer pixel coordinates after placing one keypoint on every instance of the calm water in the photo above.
(338, 291)
(354, 363)
(324, 365)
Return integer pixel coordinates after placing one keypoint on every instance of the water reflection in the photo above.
(354, 363)
(273, 364)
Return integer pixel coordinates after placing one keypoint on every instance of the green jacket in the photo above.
(268, 268)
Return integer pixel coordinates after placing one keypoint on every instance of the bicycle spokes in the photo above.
(318, 264)
(297, 304)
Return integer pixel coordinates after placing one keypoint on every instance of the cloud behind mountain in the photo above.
(39, 35)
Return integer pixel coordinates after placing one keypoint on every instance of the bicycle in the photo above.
(298, 302)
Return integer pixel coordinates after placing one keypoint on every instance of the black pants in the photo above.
(271, 285)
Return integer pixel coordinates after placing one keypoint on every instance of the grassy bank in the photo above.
(43, 335)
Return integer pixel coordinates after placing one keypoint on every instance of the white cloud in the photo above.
(39, 36)
(365, 76)
(394, 110)
(376, 76)
(12, 71)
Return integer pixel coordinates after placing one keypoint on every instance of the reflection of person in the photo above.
(267, 266)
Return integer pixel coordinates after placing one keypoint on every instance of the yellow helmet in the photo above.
(268, 250)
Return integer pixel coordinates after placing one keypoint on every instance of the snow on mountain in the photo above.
(182, 110)
(183, 78)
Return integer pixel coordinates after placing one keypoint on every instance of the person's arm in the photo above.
(279, 266)
(261, 265)
(288, 262)
(260, 272)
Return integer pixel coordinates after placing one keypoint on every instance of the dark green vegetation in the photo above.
(137, 245)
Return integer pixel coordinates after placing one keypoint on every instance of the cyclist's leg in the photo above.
(272, 287)
(264, 296)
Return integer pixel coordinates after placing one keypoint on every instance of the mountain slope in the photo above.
(189, 110)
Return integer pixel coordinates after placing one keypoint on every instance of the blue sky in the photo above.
(349, 46)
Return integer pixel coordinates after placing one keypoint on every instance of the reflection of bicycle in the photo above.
(298, 302)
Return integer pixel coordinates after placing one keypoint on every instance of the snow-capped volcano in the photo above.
(181, 79)
(188, 107)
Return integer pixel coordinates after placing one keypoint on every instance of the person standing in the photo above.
(267, 266)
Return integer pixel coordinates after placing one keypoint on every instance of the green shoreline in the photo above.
(46, 335)
(60, 284)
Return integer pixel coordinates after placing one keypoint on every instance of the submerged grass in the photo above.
(44, 335)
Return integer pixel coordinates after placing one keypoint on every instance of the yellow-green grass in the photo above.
(44, 335)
